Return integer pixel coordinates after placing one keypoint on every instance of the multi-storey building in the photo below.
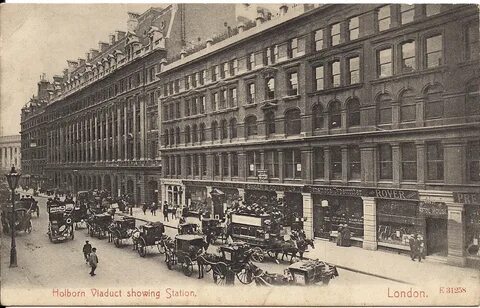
(33, 134)
(366, 115)
(102, 130)
(10, 153)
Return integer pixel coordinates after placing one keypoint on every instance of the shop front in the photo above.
(197, 199)
(173, 191)
(435, 215)
(471, 205)
(223, 198)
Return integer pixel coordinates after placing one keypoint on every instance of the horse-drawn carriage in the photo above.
(213, 229)
(98, 224)
(22, 220)
(267, 240)
(185, 250)
(151, 234)
(28, 204)
(122, 229)
(188, 228)
(60, 223)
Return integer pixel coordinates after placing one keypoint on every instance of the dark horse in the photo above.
(292, 248)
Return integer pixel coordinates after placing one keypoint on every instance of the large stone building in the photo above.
(102, 127)
(366, 115)
(10, 154)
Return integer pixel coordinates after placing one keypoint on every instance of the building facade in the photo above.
(366, 115)
(10, 154)
(102, 130)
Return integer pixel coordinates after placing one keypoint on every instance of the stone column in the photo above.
(369, 170)
(345, 164)
(125, 136)
(308, 214)
(242, 165)
(307, 165)
(421, 162)
(326, 155)
(96, 158)
(134, 130)
(91, 142)
(369, 223)
(142, 128)
(396, 164)
(114, 136)
(107, 137)
(102, 136)
(281, 164)
(456, 234)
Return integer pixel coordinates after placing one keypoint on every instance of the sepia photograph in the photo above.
(240, 154)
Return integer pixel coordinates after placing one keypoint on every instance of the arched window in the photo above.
(202, 132)
(251, 125)
(408, 108)
(167, 137)
(317, 116)
(187, 134)
(472, 100)
(177, 133)
(434, 102)
(172, 137)
(214, 130)
(223, 129)
(335, 115)
(384, 109)
(353, 112)
(194, 133)
(270, 122)
(293, 122)
(233, 128)
(270, 88)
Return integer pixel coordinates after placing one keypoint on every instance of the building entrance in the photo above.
(436, 239)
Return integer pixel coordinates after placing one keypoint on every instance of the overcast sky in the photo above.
(36, 39)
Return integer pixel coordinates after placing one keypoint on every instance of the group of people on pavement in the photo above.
(166, 209)
(344, 235)
(417, 247)
(91, 258)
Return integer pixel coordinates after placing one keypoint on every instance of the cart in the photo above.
(309, 272)
(122, 229)
(186, 249)
(98, 224)
(60, 224)
(213, 229)
(22, 220)
(151, 234)
(188, 228)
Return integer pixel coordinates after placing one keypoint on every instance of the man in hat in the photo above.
(413, 246)
(87, 249)
(93, 259)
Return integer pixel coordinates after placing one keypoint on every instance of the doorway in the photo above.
(436, 236)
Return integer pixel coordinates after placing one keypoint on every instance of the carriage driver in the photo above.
(87, 249)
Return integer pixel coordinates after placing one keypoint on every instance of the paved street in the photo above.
(46, 266)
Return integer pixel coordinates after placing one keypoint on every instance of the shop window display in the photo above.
(396, 221)
(472, 230)
(196, 198)
(332, 212)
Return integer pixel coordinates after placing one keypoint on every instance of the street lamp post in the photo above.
(12, 179)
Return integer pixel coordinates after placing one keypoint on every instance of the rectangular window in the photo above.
(335, 66)
(203, 160)
(253, 162)
(216, 164)
(214, 73)
(188, 164)
(225, 164)
(409, 162)
(293, 164)
(335, 34)
(250, 61)
(167, 165)
(222, 99)
(201, 77)
(187, 107)
(354, 70)
(271, 163)
(385, 161)
(234, 163)
(432, 9)
(384, 63)
(354, 165)
(201, 104)
(408, 56)
(195, 165)
(293, 48)
(473, 160)
(336, 163)
(177, 85)
(353, 28)
(471, 42)
(407, 12)
(233, 97)
(214, 101)
(233, 67)
(292, 84)
(319, 39)
(319, 163)
(319, 78)
(193, 80)
(434, 51)
(435, 161)
(224, 70)
(384, 17)
(270, 88)
(187, 82)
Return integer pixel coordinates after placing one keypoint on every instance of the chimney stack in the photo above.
(102, 46)
(81, 62)
(209, 42)
(132, 23)
(120, 35)
(111, 38)
(93, 53)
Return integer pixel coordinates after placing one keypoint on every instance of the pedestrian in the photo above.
(173, 211)
(346, 235)
(165, 211)
(154, 208)
(413, 242)
(87, 249)
(93, 261)
(144, 208)
(420, 248)
(339, 235)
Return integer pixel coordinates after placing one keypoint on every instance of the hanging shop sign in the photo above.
(437, 209)
(396, 194)
(336, 191)
(466, 198)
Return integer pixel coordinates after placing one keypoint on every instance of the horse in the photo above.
(204, 262)
(292, 247)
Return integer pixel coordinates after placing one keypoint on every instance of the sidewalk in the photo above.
(383, 264)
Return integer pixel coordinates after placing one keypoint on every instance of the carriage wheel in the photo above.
(220, 274)
(245, 275)
(169, 260)
(187, 266)
(142, 248)
(29, 227)
(258, 255)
